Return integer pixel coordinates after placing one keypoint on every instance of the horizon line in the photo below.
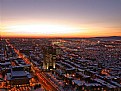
(54, 37)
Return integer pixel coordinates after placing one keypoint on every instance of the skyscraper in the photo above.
(50, 53)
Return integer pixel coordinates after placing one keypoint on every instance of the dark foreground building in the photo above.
(18, 76)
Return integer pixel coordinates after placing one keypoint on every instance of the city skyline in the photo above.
(60, 18)
(60, 64)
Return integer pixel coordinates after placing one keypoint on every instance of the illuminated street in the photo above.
(60, 64)
(46, 83)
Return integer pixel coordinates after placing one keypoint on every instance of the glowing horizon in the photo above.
(53, 30)
(60, 18)
(41, 30)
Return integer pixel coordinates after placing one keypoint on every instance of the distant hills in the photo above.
(108, 38)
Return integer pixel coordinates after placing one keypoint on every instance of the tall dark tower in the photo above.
(50, 52)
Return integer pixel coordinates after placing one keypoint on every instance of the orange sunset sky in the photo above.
(60, 18)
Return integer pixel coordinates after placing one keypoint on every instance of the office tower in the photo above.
(50, 53)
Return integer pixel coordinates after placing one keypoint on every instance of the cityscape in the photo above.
(60, 45)
(65, 64)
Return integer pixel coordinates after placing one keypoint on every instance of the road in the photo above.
(44, 81)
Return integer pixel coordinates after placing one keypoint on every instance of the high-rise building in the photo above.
(50, 53)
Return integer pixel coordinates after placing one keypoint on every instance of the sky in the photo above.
(60, 18)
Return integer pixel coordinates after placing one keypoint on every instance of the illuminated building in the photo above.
(50, 54)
